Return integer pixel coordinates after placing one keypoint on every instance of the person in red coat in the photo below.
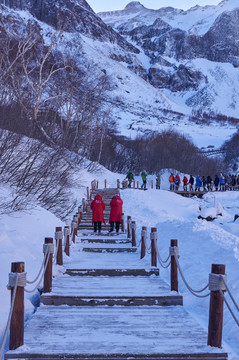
(115, 212)
(97, 206)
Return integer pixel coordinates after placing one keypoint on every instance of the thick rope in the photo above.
(162, 262)
(20, 280)
(229, 308)
(216, 283)
(10, 313)
(230, 294)
(42, 265)
(194, 292)
(43, 273)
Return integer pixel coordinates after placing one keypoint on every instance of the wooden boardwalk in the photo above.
(104, 306)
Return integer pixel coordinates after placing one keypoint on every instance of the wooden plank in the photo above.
(112, 272)
(106, 241)
(111, 301)
(206, 356)
(115, 333)
(110, 250)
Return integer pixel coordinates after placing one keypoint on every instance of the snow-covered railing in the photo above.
(217, 284)
(18, 278)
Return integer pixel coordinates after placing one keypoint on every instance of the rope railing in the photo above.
(9, 315)
(161, 261)
(41, 277)
(192, 291)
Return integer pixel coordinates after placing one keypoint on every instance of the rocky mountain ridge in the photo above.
(174, 40)
(97, 50)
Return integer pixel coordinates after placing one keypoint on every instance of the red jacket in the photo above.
(116, 209)
(97, 206)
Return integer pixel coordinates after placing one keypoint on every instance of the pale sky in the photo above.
(107, 5)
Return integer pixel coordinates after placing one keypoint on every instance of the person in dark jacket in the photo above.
(97, 206)
(115, 212)
(130, 177)
(191, 182)
(209, 183)
(216, 182)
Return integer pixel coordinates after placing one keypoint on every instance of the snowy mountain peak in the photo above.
(134, 5)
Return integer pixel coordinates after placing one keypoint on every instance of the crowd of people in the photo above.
(98, 207)
(204, 183)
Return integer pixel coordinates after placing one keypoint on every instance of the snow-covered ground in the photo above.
(201, 243)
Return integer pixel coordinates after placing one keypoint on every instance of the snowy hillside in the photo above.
(201, 243)
(135, 104)
(188, 58)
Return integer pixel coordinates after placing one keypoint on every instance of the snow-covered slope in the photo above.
(174, 41)
(138, 99)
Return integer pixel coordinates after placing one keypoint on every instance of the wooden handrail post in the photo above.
(80, 212)
(174, 269)
(122, 223)
(67, 240)
(75, 218)
(74, 231)
(152, 184)
(83, 205)
(105, 183)
(153, 237)
(143, 242)
(133, 184)
(216, 312)
(88, 193)
(137, 184)
(128, 227)
(58, 237)
(17, 320)
(118, 184)
(47, 284)
(133, 227)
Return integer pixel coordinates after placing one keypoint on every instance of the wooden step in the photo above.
(106, 241)
(114, 333)
(102, 290)
(111, 300)
(127, 356)
(112, 272)
(109, 250)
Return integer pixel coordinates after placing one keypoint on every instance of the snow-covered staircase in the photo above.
(106, 306)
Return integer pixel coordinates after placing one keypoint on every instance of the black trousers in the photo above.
(97, 225)
(117, 226)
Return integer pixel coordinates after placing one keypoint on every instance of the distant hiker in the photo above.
(209, 183)
(158, 181)
(177, 181)
(191, 182)
(171, 180)
(222, 182)
(198, 183)
(97, 206)
(185, 183)
(144, 179)
(130, 177)
(216, 182)
(115, 212)
(204, 183)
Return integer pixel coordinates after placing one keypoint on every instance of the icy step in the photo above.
(114, 333)
(106, 241)
(112, 272)
(102, 290)
(109, 250)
